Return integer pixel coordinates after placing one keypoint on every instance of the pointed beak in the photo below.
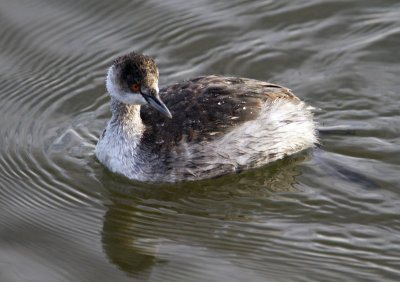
(154, 100)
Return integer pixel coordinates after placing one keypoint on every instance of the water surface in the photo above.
(327, 215)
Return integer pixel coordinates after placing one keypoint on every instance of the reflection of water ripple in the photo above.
(43, 90)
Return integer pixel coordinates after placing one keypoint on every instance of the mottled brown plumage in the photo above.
(205, 108)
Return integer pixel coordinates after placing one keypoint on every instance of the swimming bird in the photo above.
(198, 128)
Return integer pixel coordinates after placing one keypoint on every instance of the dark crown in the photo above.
(136, 68)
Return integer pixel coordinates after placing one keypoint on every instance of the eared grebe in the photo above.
(208, 126)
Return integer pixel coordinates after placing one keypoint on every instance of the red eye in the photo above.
(135, 87)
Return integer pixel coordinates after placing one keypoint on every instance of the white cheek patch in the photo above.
(132, 99)
(120, 95)
(111, 81)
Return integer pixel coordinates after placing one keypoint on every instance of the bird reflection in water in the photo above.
(143, 219)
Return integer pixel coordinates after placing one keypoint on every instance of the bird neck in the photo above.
(126, 116)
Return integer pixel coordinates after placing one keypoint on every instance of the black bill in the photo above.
(156, 103)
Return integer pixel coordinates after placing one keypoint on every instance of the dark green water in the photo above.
(327, 215)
